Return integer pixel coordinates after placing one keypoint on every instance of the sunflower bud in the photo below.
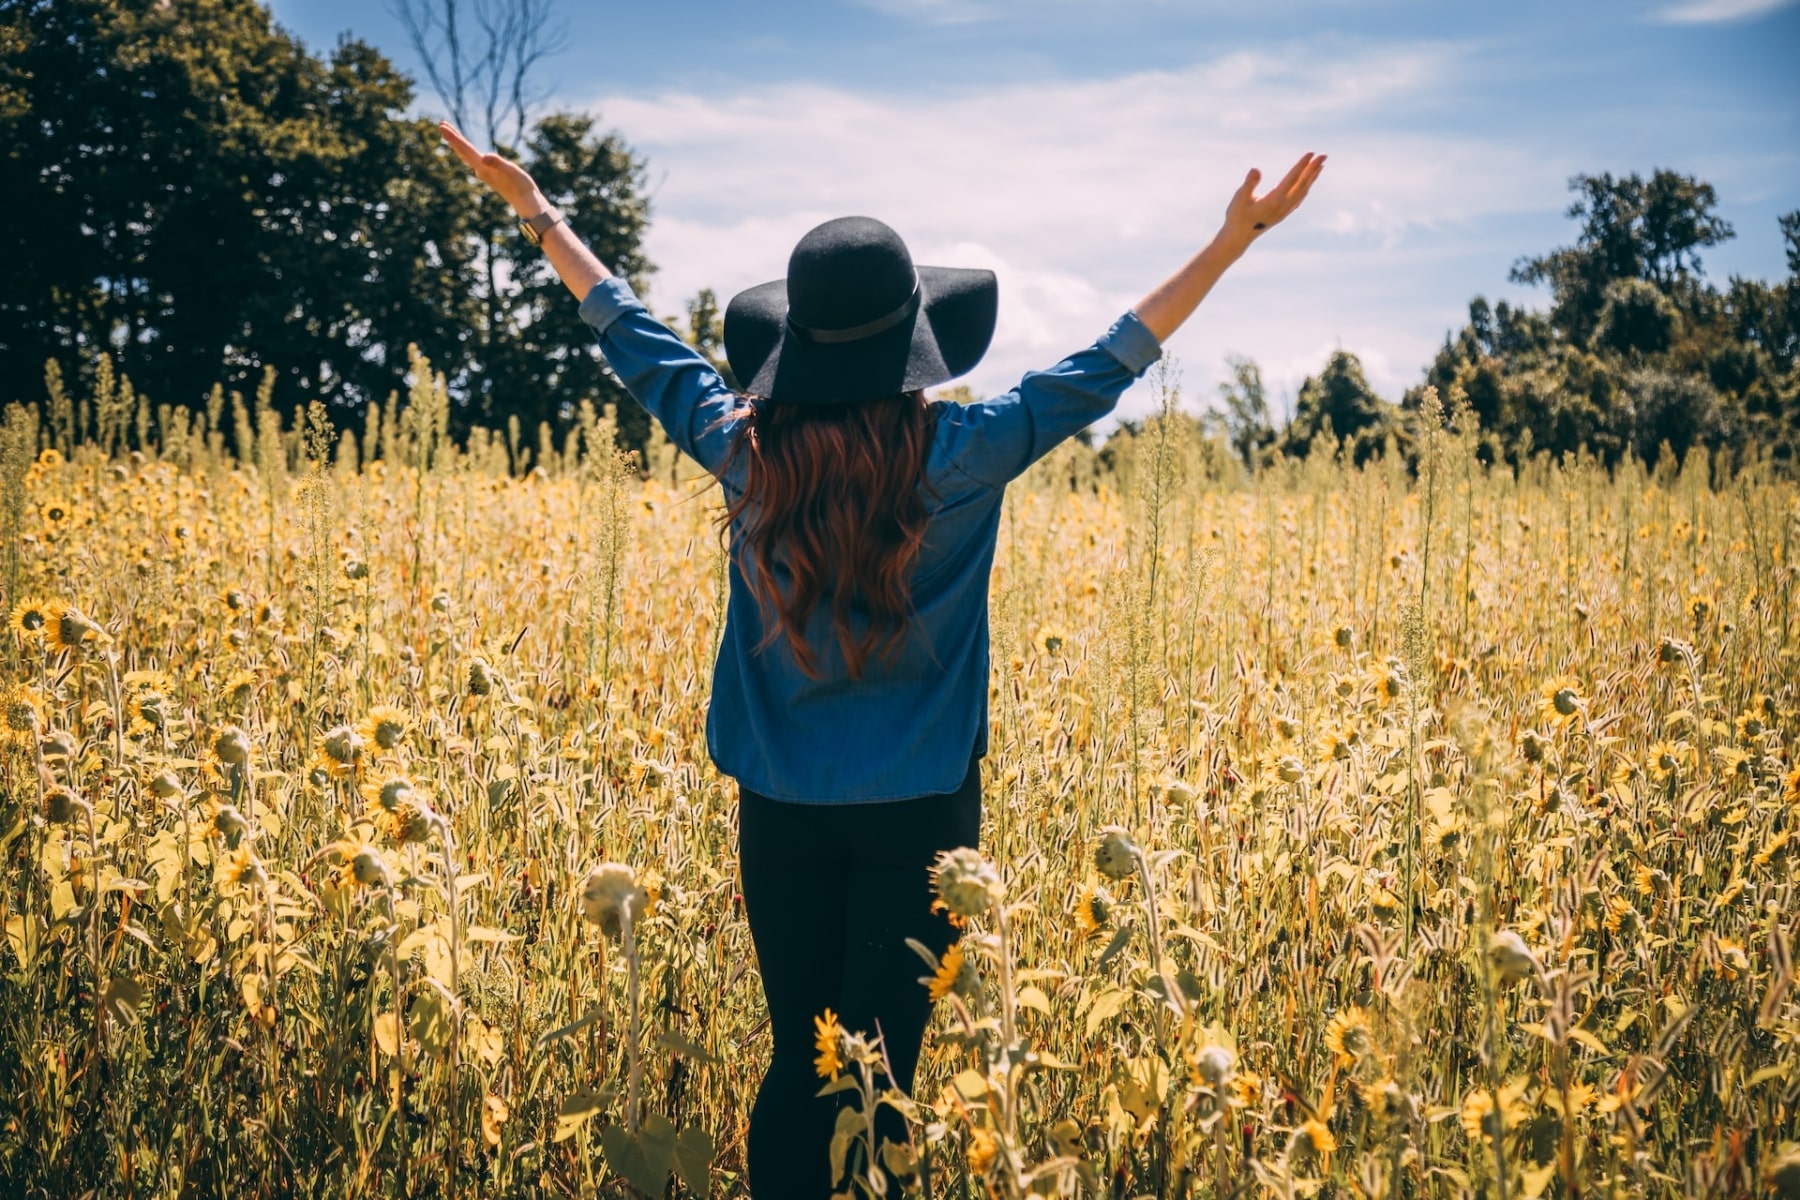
(1116, 855)
(232, 746)
(481, 677)
(1511, 957)
(164, 785)
(612, 895)
(1290, 769)
(1215, 1065)
(967, 884)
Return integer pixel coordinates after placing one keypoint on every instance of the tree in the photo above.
(479, 57)
(1246, 419)
(1339, 403)
(198, 195)
(1631, 229)
(1636, 319)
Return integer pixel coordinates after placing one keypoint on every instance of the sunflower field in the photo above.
(1404, 830)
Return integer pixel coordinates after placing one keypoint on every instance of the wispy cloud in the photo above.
(1083, 195)
(1698, 12)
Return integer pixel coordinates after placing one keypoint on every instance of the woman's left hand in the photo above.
(1249, 215)
(502, 174)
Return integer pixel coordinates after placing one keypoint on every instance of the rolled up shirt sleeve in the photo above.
(994, 441)
(673, 382)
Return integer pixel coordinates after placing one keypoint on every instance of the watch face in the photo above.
(531, 234)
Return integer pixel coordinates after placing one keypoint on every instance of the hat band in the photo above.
(857, 333)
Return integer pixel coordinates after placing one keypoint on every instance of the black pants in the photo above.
(832, 892)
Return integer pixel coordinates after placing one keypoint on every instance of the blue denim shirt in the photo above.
(908, 727)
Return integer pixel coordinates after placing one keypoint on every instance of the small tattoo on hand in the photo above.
(1260, 225)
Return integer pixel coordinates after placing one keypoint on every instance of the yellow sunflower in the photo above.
(949, 973)
(30, 618)
(384, 726)
(1314, 1136)
(1093, 909)
(828, 1039)
(1563, 700)
(1668, 757)
(242, 869)
(1349, 1036)
(1790, 786)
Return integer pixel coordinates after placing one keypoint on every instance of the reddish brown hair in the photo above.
(832, 499)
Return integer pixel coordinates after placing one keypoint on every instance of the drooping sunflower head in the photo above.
(231, 746)
(69, 627)
(1115, 855)
(1212, 1065)
(340, 752)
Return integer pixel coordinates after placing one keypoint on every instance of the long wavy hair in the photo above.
(832, 504)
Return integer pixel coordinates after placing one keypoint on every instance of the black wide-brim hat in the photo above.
(855, 320)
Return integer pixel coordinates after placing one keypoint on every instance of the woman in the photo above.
(850, 695)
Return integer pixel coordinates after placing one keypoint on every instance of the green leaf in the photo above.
(681, 1044)
(643, 1158)
(1033, 997)
(122, 997)
(849, 1124)
(1106, 1005)
(577, 1111)
(693, 1159)
(1119, 941)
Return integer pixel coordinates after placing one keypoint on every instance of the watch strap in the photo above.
(536, 226)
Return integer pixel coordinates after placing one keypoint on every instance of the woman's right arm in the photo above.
(994, 441)
(668, 377)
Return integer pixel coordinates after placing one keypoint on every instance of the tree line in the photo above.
(199, 199)
(1639, 353)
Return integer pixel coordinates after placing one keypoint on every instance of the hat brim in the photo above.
(945, 338)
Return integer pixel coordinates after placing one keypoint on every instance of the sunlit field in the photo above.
(1347, 831)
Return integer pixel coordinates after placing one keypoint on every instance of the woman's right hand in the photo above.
(1249, 215)
(506, 177)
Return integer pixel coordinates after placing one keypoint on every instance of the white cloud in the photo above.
(1082, 196)
(1697, 12)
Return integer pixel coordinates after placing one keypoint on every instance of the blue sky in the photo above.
(1083, 150)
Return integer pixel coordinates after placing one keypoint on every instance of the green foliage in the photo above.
(1639, 352)
(1340, 404)
(198, 193)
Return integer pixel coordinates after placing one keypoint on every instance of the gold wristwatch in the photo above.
(534, 228)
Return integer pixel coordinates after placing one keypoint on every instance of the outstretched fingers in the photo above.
(465, 149)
